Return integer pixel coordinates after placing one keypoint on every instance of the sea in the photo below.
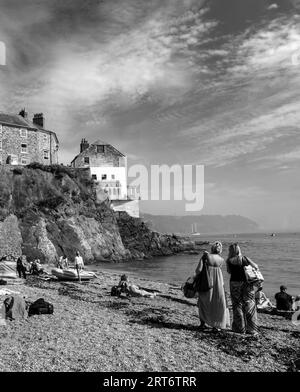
(278, 258)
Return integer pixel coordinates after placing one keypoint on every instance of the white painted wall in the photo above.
(132, 207)
(120, 175)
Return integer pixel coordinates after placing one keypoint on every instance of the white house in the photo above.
(108, 167)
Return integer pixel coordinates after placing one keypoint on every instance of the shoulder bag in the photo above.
(252, 275)
(203, 279)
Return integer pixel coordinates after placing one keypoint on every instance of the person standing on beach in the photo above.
(242, 293)
(79, 265)
(65, 262)
(212, 303)
(21, 266)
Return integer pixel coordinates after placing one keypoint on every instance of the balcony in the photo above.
(114, 192)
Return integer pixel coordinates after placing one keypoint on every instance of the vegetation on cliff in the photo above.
(46, 211)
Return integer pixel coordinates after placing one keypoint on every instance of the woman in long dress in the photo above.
(212, 303)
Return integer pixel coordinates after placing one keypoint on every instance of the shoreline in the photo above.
(92, 331)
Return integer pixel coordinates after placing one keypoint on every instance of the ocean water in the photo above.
(278, 259)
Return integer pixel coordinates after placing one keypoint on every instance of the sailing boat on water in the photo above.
(194, 230)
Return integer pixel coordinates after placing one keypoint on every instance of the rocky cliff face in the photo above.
(49, 210)
(142, 242)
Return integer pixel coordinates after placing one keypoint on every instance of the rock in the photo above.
(145, 243)
(46, 211)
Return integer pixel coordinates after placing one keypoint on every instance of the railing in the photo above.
(114, 191)
(105, 183)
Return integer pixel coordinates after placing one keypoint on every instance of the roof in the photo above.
(98, 142)
(19, 121)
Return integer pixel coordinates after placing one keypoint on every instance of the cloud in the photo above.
(273, 6)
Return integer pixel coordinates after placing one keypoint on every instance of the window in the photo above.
(87, 160)
(113, 176)
(23, 132)
(46, 154)
(94, 176)
(24, 148)
(100, 149)
(24, 161)
(103, 177)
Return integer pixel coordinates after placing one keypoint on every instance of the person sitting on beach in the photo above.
(296, 305)
(63, 262)
(36, 268)
(262, 302)
(132, 289)
(284, 301)
(79, 264)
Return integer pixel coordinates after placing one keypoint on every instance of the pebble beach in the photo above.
(91, 331)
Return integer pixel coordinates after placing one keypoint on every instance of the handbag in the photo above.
(189, 288)
(203, 279)
(252, 275)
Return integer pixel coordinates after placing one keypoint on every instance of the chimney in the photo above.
(39, 120)
(23, 113)
(84, 145)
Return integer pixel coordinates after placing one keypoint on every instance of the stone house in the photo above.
(23, 141)
(108, 167)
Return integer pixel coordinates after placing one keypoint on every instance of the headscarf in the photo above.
(216, 247)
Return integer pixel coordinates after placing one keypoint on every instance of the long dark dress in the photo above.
(212, 303)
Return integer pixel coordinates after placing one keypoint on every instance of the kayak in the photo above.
(71, 274)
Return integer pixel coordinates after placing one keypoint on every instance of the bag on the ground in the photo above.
(40, 306)
(189, 288)
(115, 291)
(203, 279)
(252, 275)
(15, 307)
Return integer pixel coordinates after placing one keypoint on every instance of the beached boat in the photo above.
(71, 274)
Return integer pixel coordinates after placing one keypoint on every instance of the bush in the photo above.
(51, 202)
(18, 171)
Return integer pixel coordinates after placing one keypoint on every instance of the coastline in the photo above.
(92, 331)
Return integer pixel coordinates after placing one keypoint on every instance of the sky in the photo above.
(186, 82)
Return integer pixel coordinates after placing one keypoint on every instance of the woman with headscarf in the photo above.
(242, 293)
(212, 303)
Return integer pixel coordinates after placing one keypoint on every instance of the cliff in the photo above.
(48, 210)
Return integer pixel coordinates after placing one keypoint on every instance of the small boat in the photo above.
(194, 230)
(71, 274)
(273, 235)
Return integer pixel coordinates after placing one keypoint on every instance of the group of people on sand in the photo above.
(35, 267)
(23, 267)
(245, 297)
(63, 262)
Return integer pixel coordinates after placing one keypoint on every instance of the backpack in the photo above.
(40, 306)
(115, 291)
